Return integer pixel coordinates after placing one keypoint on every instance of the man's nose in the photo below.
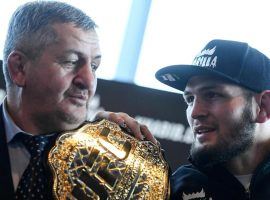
(198, 109)
(85, 77)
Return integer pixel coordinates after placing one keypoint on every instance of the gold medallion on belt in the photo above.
(100, 161)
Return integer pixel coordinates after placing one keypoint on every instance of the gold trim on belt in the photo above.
(100, 161)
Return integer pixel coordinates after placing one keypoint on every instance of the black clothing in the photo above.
(6, 183)
(192, 182)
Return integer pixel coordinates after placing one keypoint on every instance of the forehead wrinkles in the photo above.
(83, 42)
(86, 37)
(69, 30)
(78, 39)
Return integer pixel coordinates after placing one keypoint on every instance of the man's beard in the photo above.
(240, 139)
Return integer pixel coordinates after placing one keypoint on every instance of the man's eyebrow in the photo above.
(210, 87)
(185, 93)
(97, 57)
(71, 51)
(204, 88)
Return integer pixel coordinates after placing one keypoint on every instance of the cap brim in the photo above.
(177, 76)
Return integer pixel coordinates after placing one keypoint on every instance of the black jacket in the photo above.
(192, 182)
(6, 183)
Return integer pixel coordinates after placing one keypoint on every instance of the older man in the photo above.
(51, 55)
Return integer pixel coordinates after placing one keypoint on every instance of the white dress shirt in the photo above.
(18, 154)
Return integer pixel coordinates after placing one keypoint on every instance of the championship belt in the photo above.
(100, 161)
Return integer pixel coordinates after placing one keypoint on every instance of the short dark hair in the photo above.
(30, 28)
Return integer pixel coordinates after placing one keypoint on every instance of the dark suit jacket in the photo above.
(6, 182)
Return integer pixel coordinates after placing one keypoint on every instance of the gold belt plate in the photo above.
(100, 161)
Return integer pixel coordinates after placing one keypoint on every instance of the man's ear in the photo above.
(263, 101)
(16, 67)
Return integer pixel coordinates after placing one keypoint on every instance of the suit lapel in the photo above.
(6, 183)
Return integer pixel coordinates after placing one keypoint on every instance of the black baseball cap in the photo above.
(232, 60)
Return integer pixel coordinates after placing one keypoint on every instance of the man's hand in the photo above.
(140, 131)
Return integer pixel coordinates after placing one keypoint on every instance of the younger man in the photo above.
(227, 91)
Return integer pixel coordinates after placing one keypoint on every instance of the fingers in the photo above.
(111, 116)
(133, 126)
(148, 135)
(138, 130)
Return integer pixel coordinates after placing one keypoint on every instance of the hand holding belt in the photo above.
(101, 161)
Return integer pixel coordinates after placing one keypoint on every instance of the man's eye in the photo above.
(189, 99)
(70, 62)
(212, 95)
(94, 67)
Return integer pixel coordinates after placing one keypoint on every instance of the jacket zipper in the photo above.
(247, 193)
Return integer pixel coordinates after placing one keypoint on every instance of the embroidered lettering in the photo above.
(195, 195)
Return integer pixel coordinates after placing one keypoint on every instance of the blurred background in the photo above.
(138, 37)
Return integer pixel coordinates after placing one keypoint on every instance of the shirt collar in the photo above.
(10, 127)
